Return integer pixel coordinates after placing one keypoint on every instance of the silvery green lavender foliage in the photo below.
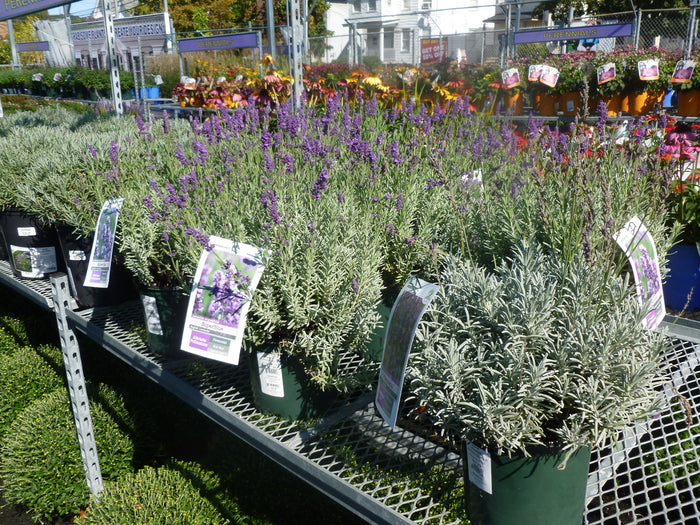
(540, 351)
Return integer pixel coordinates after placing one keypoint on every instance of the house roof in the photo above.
(526, 9)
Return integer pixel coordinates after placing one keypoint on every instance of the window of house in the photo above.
(405, 40)
(388, 39)
(407, 5)
(356, 6)
(426, 4)
(372, 5)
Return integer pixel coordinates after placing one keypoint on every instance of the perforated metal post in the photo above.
(112, 58)
(76, 384)
(296, 51)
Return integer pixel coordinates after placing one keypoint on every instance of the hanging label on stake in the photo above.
(640, 249)
(227, 275)
(100, 264)
(549, 76)
(414, 298)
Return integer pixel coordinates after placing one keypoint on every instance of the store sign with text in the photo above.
(433, 50)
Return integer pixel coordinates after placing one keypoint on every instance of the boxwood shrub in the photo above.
(156, 496)
(40, 463)
(25, 376)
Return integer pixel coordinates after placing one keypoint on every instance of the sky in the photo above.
(82, 8)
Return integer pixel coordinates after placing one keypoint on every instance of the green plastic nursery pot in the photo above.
(282, 387)
(528, 490)
(164, 312)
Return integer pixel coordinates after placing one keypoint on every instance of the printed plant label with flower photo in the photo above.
(648, 69)
(510, 78)
(606, 73)
(224, 282)
(271, 378)
(534, 72)
(549, 76)
(407, 311)
(34, 262)
(100, 264)
(683, 71)
(640, 249)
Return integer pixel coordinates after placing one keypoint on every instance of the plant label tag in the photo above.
(405, 315)
(28, 231)
(479, 467)
(227, 274)
(150, 309)
(270, 369)
(100, 264)
(640, 249)
(34, 263)
(570, 106)
(76, 255)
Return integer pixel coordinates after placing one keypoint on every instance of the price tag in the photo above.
(270, 369)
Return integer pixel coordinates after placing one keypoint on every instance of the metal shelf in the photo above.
(406, 475)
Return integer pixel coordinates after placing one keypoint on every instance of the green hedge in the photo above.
(156, 496)
(25, 376)
(40, 463)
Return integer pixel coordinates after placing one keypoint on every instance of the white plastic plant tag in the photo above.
(570, 105)
(226, 277)
(640, 249)
(405, 315)
(100, 264)
(34, 263)
(150, 309)
(27, 231)
(270, 369)
(76, 255)
(479, 467)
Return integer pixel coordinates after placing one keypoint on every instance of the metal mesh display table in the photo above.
(410, 474)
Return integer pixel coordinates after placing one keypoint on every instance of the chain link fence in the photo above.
(670, 29)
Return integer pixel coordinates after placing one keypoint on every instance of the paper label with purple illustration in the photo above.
(534, 72)
(223, 287)
(100, 264)
(640, 249)
(407, 311)
(648, 69)
(549, 76)
(510, 78)
(683, 71)
(606, 73)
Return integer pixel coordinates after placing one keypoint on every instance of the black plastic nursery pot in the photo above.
(32, 246)
(282, 387)
(165, 310)
(75, 250)
(528, 490)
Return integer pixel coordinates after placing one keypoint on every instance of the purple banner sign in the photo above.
(210, 43)
(42, 45)
(14, 8)
(572, 33)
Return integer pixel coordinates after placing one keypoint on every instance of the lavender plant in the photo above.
(541, 351)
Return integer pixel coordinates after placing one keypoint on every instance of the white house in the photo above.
(396, 31)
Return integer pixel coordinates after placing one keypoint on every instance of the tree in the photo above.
(204, 15)
(560, 8)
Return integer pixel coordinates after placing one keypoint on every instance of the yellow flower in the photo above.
(372, 81)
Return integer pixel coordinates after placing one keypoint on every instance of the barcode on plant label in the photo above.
(270, 371)
(479, 467)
